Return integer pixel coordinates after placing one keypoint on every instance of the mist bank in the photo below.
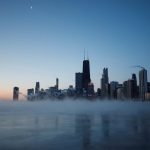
(74, 106)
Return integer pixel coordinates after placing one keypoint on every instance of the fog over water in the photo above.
(77, 125)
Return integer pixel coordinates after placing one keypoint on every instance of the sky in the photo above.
(41, 40)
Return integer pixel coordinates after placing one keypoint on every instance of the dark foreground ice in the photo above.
(74, 125)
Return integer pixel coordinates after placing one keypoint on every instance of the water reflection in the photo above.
(83, 130)
(76, 130)
(105, 127)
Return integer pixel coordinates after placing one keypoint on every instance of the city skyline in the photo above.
(43, 40)
(83, 87)
(104, 81)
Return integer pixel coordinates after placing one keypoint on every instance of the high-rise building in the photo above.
(147, 97)
(148, 87)
(105, 75)
(134, 78)
(120, 94)
(130, 89)
(103, 87)
(16, 93)
(99, 92)
(135, 89)
(90, 89)
(78, 82)
(37, 87)
(86, 75)
(142, 83)
(30, 93)
(113, 89)
(57, 83)
(104, 83)
(125, 89)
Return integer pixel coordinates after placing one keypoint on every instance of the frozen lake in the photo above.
(74, 125)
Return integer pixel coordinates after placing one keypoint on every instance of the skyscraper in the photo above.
(142, 83)
(57, 83)
(148, 87)
(78, 82)
(15, 93)
(130, 89)
(113, 89)
(30, 93)
(90, 89)
(86, 74)
(125, 89)
(104, 82)
(105, 75)
(37, 87)
(135, 89)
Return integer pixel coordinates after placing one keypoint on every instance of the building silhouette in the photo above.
(130, 89)
(30, 93)
(78, 83)
(142, 83)
(105, 83)
(148, 91)
(125, 88)
(90, 89)
(113, 89)
(57, 83)
(148, 87)
(120, 94)
(135, 88)
(16, 93)
(86, 75)
(98, 92)
(37, 87)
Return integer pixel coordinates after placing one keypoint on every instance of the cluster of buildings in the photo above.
(129, 89)
(38, 94)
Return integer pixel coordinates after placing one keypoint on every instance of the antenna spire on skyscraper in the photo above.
(84, 53)
(87, 55)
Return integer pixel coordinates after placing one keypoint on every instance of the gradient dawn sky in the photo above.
(44, 39)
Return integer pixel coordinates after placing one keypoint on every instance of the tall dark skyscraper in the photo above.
(113, 89)
(135, 89)
(130, 89)
(15, 93)
(105, 75)
(104, 82)
(142, 83)
(148, 87)
(57, 83)
(78, 82)
(37, 87)
(86, 74)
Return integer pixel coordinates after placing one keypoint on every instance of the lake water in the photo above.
(74, 125)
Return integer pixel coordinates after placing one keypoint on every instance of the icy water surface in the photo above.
(75, 125)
